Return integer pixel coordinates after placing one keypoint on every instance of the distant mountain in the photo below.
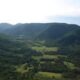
(38, 31)
(4, 26)
(56, 31)
(28, 31)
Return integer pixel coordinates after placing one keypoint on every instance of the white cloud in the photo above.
(14, 11)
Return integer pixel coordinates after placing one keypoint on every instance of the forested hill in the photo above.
(4, 26)
(57, 31)
(27, 31)
(41, 31)
(72, 38)
(40, 51)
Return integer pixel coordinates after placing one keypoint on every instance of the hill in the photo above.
(4, 26)
(72, 38)
(40, 58)
(56, 31)
(38, 31)
(27, 31)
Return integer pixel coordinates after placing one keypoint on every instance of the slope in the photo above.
(27, 31)
(57, 31)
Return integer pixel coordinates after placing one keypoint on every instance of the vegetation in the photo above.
(45, 49)
(51, 54)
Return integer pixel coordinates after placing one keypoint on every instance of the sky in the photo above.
(32, 11)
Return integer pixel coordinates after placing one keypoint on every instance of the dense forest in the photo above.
(39, 51)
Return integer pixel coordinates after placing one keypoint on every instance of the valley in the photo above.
(40, 51)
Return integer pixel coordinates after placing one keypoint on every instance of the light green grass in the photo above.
(51, 75)
(50, 56)
(44, 48)
(47, 56)
(22, 68)
(69, 65)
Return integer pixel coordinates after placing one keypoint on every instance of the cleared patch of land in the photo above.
(44, 48)
(51, 75)
(69, 65)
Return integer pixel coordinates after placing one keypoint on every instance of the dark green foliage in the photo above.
(40, 31)
(19, 62)
(57, 66)
(73, 74)
(13, 54)
(72, 38)
(26, 31)
(56, 31)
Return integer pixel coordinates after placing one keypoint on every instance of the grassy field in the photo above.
(22, 68)
(69, 65)
(51, 75)
(44, 48)
(46, 57)
(52, 56)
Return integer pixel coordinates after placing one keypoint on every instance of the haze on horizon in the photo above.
(35, 11)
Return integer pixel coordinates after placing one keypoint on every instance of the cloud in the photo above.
(65, 19)
(14, 11)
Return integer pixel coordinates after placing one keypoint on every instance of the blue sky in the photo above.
(27, 11)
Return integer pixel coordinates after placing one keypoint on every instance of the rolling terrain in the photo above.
(40, 51)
